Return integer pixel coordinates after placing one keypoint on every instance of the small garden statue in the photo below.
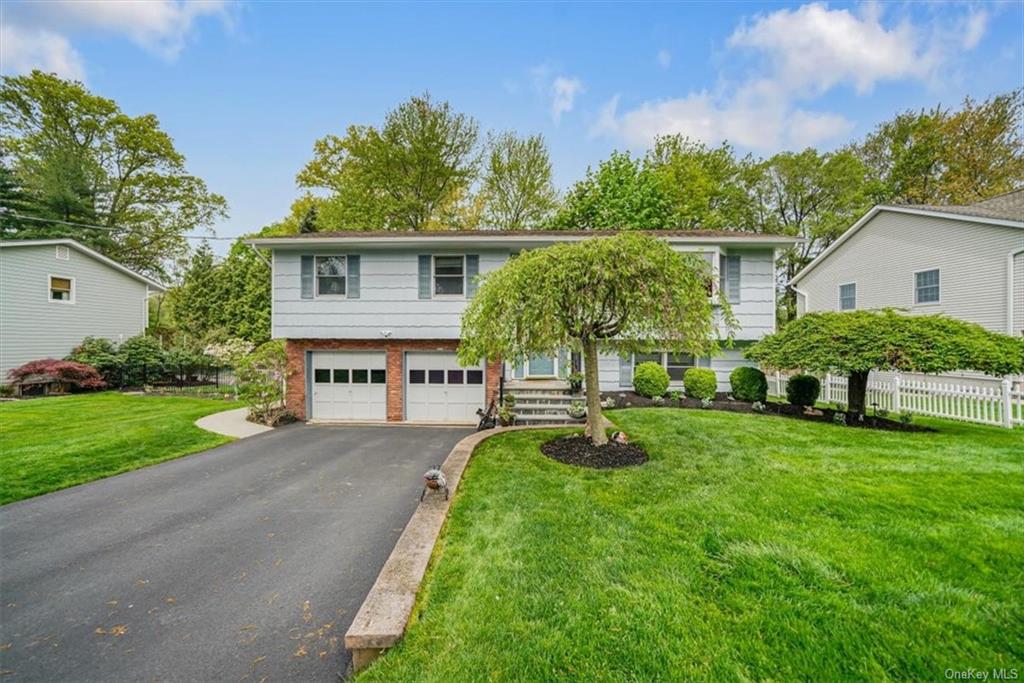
(620, 437)
(434, 480)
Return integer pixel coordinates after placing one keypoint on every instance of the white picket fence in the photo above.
(990, 401)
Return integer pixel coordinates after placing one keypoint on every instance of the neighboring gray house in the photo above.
(965, 262)
(54, 293)
(372, 319)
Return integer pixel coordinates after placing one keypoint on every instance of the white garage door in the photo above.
(438, 389)
(349, 385)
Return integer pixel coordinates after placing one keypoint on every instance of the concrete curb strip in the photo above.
(381, 621)
(231, 423)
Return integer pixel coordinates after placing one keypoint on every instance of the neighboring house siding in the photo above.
(883, 256)
(389, 297)
(107, 303)
(1018, 294)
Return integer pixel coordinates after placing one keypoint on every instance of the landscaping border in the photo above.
(382, 619)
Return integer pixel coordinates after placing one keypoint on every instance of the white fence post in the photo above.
(778, 384)
(828, 392)
(896, 404)
(1007, 404)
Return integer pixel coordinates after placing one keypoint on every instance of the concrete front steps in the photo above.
(543, 405)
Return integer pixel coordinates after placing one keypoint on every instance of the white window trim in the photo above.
(316, 277)
(49, 289)
(927, 303)
(433, 281)
(839, 295)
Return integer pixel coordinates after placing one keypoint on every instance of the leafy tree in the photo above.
(857, 342)
(79, 159)
(702, 184)
(626, 293)
(402, 176)
(308, 222)
(517, 188)
(805, 194)
(941, 156)
(621, 194)
(199, 298)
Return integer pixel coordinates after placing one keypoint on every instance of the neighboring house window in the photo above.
(675, 364)
(62, 289)
(926, 287)
(449, 276)
(848, 297)
(330, 276)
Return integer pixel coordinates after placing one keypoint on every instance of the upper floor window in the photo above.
(926, 287)
(848, 296)
(62, 289)
(330, 276)
(449, 275)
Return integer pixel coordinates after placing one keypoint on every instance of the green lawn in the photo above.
(750, 547)
(52, 443)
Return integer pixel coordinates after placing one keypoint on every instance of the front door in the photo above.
(542, 366)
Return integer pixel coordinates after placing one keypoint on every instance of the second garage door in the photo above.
(349, 385)
(438, 389)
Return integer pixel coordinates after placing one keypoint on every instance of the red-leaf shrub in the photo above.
(67, 372)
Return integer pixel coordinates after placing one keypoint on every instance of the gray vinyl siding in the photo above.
(1018, 294)
(884, 254)
(107, 303)
(390, 297)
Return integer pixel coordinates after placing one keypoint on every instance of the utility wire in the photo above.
(102, 227)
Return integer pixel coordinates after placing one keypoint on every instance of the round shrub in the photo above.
(748, 384)
(803, 390)
(700, 383)
(650, 379)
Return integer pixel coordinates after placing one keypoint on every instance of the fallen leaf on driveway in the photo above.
(301, 652)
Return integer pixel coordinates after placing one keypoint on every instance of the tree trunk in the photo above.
(595, 421)
(857, 388)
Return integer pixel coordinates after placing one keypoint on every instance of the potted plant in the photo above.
(506, 417)
(577, 410)
(575, 379)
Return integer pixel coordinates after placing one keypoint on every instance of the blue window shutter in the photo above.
(306, 271)
(626, 371)
(519, 371)
(424, 261)
(352, 277)
(729, 274)
(472, 269)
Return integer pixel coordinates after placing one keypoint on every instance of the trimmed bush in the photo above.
(67, 373)
(700, 383)
(650, 379)
(803, 390)
(748, 384)
(98, 352)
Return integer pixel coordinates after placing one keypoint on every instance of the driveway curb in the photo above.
(384, 614)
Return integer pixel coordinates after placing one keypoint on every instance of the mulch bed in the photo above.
(629, 399)
(578, 450)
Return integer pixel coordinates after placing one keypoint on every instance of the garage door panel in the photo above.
(349, 385)
(438, 389)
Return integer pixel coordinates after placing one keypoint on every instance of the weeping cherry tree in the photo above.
(630, 293)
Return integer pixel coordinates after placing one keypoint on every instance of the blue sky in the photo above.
(245, 88)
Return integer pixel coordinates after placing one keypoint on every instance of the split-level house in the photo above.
(372, 319)
(964, 262)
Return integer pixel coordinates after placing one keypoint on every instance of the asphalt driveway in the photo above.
(243, 563)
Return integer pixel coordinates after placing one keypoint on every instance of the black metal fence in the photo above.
(169, 376)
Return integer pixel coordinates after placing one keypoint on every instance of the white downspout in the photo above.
(1009, 289)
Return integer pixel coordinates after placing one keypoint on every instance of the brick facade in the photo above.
(394, 350)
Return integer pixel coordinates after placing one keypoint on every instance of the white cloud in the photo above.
(800, 54)
(814, 48)
(664, 59)
(974, 29)
(563, 95)
(22, 50)
(41, 30)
